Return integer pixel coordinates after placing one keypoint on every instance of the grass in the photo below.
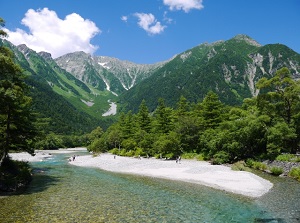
(256, 165)
(99, 98)
(240, 166)
(275, 170)
(295, 173)
(196, 156)
(288, 158)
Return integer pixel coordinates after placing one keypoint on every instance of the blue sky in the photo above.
(146, 31)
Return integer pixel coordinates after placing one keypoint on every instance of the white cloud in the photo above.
(124, 18)
(149, 23)
(167, 19)
(185, 5)
(49, 33)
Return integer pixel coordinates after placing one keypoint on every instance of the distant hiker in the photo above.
(114, 156)
(179, 158)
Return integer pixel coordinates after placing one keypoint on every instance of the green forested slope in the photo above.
(58, 95)
(229, 68)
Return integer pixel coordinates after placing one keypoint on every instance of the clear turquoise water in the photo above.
(64, 193)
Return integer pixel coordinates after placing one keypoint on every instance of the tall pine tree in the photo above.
(17, 131)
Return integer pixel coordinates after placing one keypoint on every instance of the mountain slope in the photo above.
(57, 94)
(86, 84)
(230, 68)
(105, 73)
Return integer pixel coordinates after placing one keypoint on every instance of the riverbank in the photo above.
(41, 155)
(199, 172)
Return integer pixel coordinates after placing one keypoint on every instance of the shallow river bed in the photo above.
(61, 192)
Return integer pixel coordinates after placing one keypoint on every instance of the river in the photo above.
(61, 192)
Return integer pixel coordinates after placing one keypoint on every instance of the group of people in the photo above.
(72, 158)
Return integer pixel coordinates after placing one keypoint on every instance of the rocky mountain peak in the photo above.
(246, 38)
(45, 55)
(24, 49)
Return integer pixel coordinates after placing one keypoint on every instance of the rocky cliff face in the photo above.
(116, 74)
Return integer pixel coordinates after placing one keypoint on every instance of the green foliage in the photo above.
(220, 158)
(196, 156)
(163, 117)
(14, 175)
(207, 130)
(275, 170)
(212, 110)
(143, 117)
(98, 145)
(259, 165)
(287, 158)
(240, 166)
(295, 173)
(17, 128)
(129, 144)
(95, 134)
(59, 96)
(167, 145)
(114, 151)
(51, 142)
(279, 138)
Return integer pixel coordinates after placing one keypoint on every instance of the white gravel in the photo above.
(41, 155)
(199, 172)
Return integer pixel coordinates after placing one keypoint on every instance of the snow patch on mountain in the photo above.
(88, 103)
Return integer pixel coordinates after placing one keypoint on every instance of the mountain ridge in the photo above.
(230, 68)
(89, 83)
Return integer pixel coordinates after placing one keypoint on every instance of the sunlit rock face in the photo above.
(117, 75)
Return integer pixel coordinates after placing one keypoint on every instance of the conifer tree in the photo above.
(163, 116)
(143, 117)
(212, 110)
(17, 130)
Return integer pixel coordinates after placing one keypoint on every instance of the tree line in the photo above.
(262, 127)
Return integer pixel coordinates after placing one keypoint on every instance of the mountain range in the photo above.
(76, 89)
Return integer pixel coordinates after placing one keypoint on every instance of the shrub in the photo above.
(275, 170)
(200, 157)
(170, 155)
(240, 166)
(297, 159)
(259, 166)
(285, 157)
(250, 163)
(196, 156)
(220, 157)
(114, 151)
(98, 145)
(139, 152)
(295, 173)
(130, 153)
(123, 152)
(189, 155)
